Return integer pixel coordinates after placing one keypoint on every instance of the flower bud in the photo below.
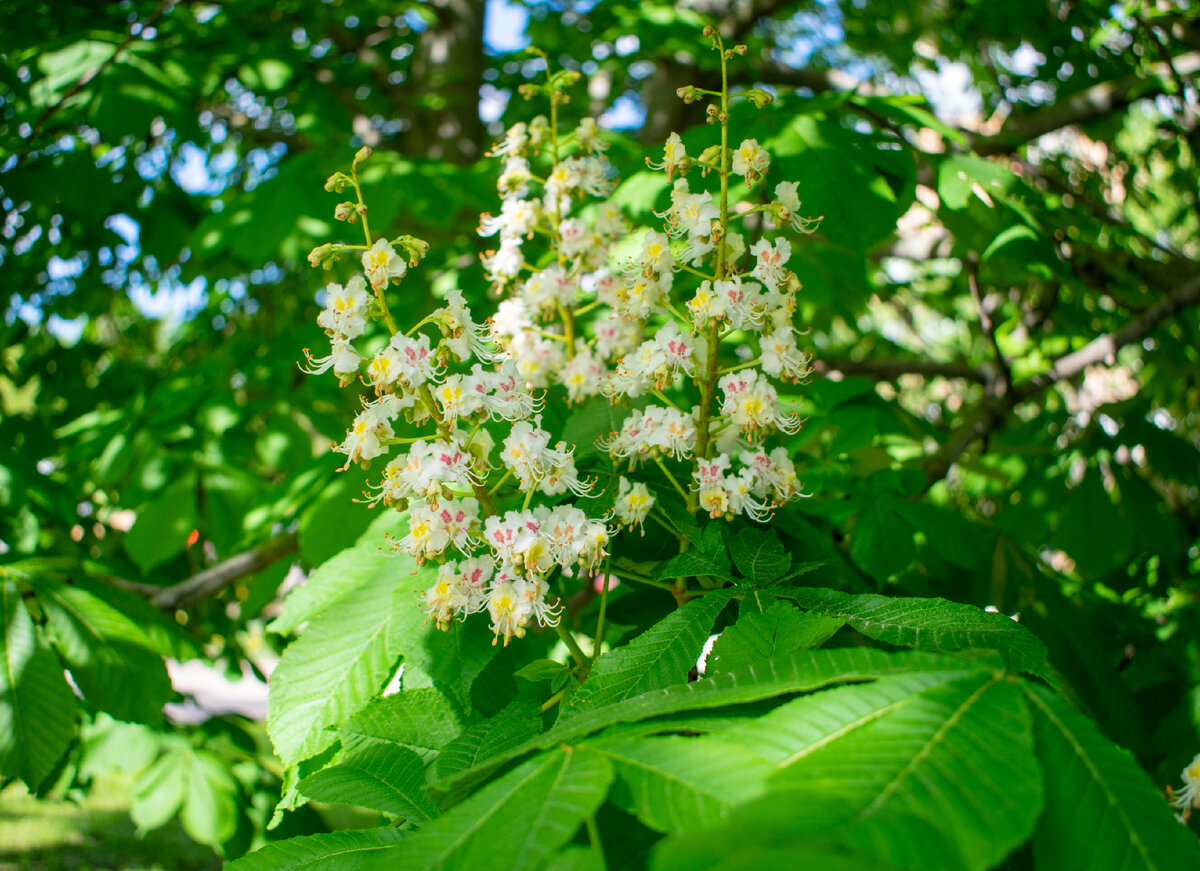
(361, 155)
(337, 182)
(346, 212)
(323, 256)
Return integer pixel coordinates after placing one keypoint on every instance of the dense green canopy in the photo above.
(1000, 298)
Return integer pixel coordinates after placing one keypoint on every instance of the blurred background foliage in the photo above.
(1001, 300)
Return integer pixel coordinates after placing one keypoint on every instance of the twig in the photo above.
(890, 370)
(213, 579)
(989, 327)
(83, 80)
(992, 413)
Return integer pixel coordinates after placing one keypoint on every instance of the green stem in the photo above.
(660, 395)
(553, 700)
(671, 477)
(581, 658)
(745, 365)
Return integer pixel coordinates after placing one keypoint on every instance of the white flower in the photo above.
(752, 403)
(786, 196)
(382, 264)
(372, 427)
(674, 156)
(780, 356)
(633, 503)
(345, 309)
(515, 140)
(343, 359)
(750, 160)
(517, 218)
(1188, 798)
(588, 136)
(504, 264)
(461, 589)
(708, 303)
(771, 267)
(582, 375)
(655, 257)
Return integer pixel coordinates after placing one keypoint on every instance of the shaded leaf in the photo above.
(513, 823)
(1102, 811)
(37, 708)
(660, 656)
(386, 778)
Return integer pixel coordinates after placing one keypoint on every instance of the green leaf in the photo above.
(158, 792)
(672, 783)
(1006, 237)
(515, 823)
(802, 725)
(1102, 811)
(454, 658)
(595, 419)
(928, 624)
(958, 172)
(420, 719)
(958, 755)
(37, 708)
(341, 575)
(759, 636)
(161, 530)
(882, 543)
(683, 520)
(386, 778)
(345, 657)
(331, 851)
(542, 669)
(510, 728)
(947, 533)
(210, 808)
(659, 657)
(759, 555)
(708, 558)
(110, 656)
(803, 671)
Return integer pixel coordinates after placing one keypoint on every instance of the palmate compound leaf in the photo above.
(37, 708)
(928, 624)
(803, 671)
(386, 778)
(515, 822)
(1102, 811)
(332, 851)
(345, 657)
(659, 657)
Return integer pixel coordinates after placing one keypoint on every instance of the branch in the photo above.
(1105, 347)
(993, 413)
(1087, 105)
(890, 370)
(216, 578)
(83, 80)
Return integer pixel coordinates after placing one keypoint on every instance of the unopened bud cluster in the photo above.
(502, 516)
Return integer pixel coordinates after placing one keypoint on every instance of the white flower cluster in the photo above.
(571, 320)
